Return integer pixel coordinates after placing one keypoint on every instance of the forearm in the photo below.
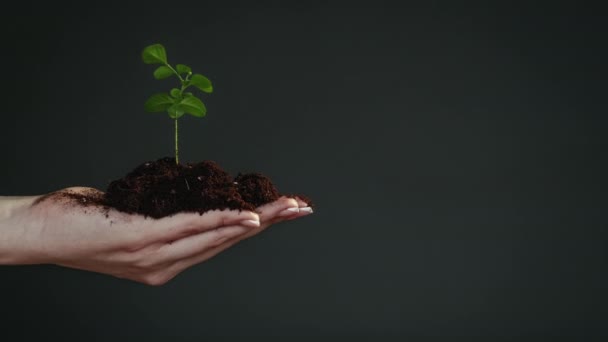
(15, 223)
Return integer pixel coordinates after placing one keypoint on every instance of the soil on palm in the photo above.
(162, 188)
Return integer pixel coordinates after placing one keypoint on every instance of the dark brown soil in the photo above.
(162, 188)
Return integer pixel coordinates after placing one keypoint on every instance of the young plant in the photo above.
(176, 102)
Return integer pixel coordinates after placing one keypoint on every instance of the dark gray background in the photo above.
(457, 155)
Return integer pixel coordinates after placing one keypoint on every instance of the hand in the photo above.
(152, 251)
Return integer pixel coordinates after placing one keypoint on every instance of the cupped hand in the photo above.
(56, 229)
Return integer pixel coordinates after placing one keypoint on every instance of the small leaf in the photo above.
(154, 54)
(193, 106)
(188, 94)
(202, 83)
(175, 93)
(183, 69)
(162, 72)
(159, 102)
(175, 112)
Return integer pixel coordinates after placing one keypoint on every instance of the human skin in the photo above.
(53, 230)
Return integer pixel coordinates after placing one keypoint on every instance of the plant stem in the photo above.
(176, 146)
(175, 72)
(181, 79)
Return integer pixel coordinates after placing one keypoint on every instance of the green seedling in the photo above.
(176, 102)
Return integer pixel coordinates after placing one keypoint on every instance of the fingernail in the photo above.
(306, 210)
(251, 223)
(289, 211)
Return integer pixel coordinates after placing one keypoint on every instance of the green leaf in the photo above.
(159, 102)
(154, 54)
(175, 112)
(188, 94)
(183, 69)
(175, 93)
(162, 72)
(193, 106)
(202, 83)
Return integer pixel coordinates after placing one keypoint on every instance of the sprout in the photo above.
(176, 102)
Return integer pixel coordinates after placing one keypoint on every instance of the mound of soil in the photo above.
(162, 188)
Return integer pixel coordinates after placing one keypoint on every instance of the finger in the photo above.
(271, 213)
(303, 211)
(264, 225)
(301, 203)
(185, 224)
(283, 206)
(192, 245)
(266, 211)
(280, 210)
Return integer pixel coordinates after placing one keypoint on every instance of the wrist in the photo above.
(16, 227)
